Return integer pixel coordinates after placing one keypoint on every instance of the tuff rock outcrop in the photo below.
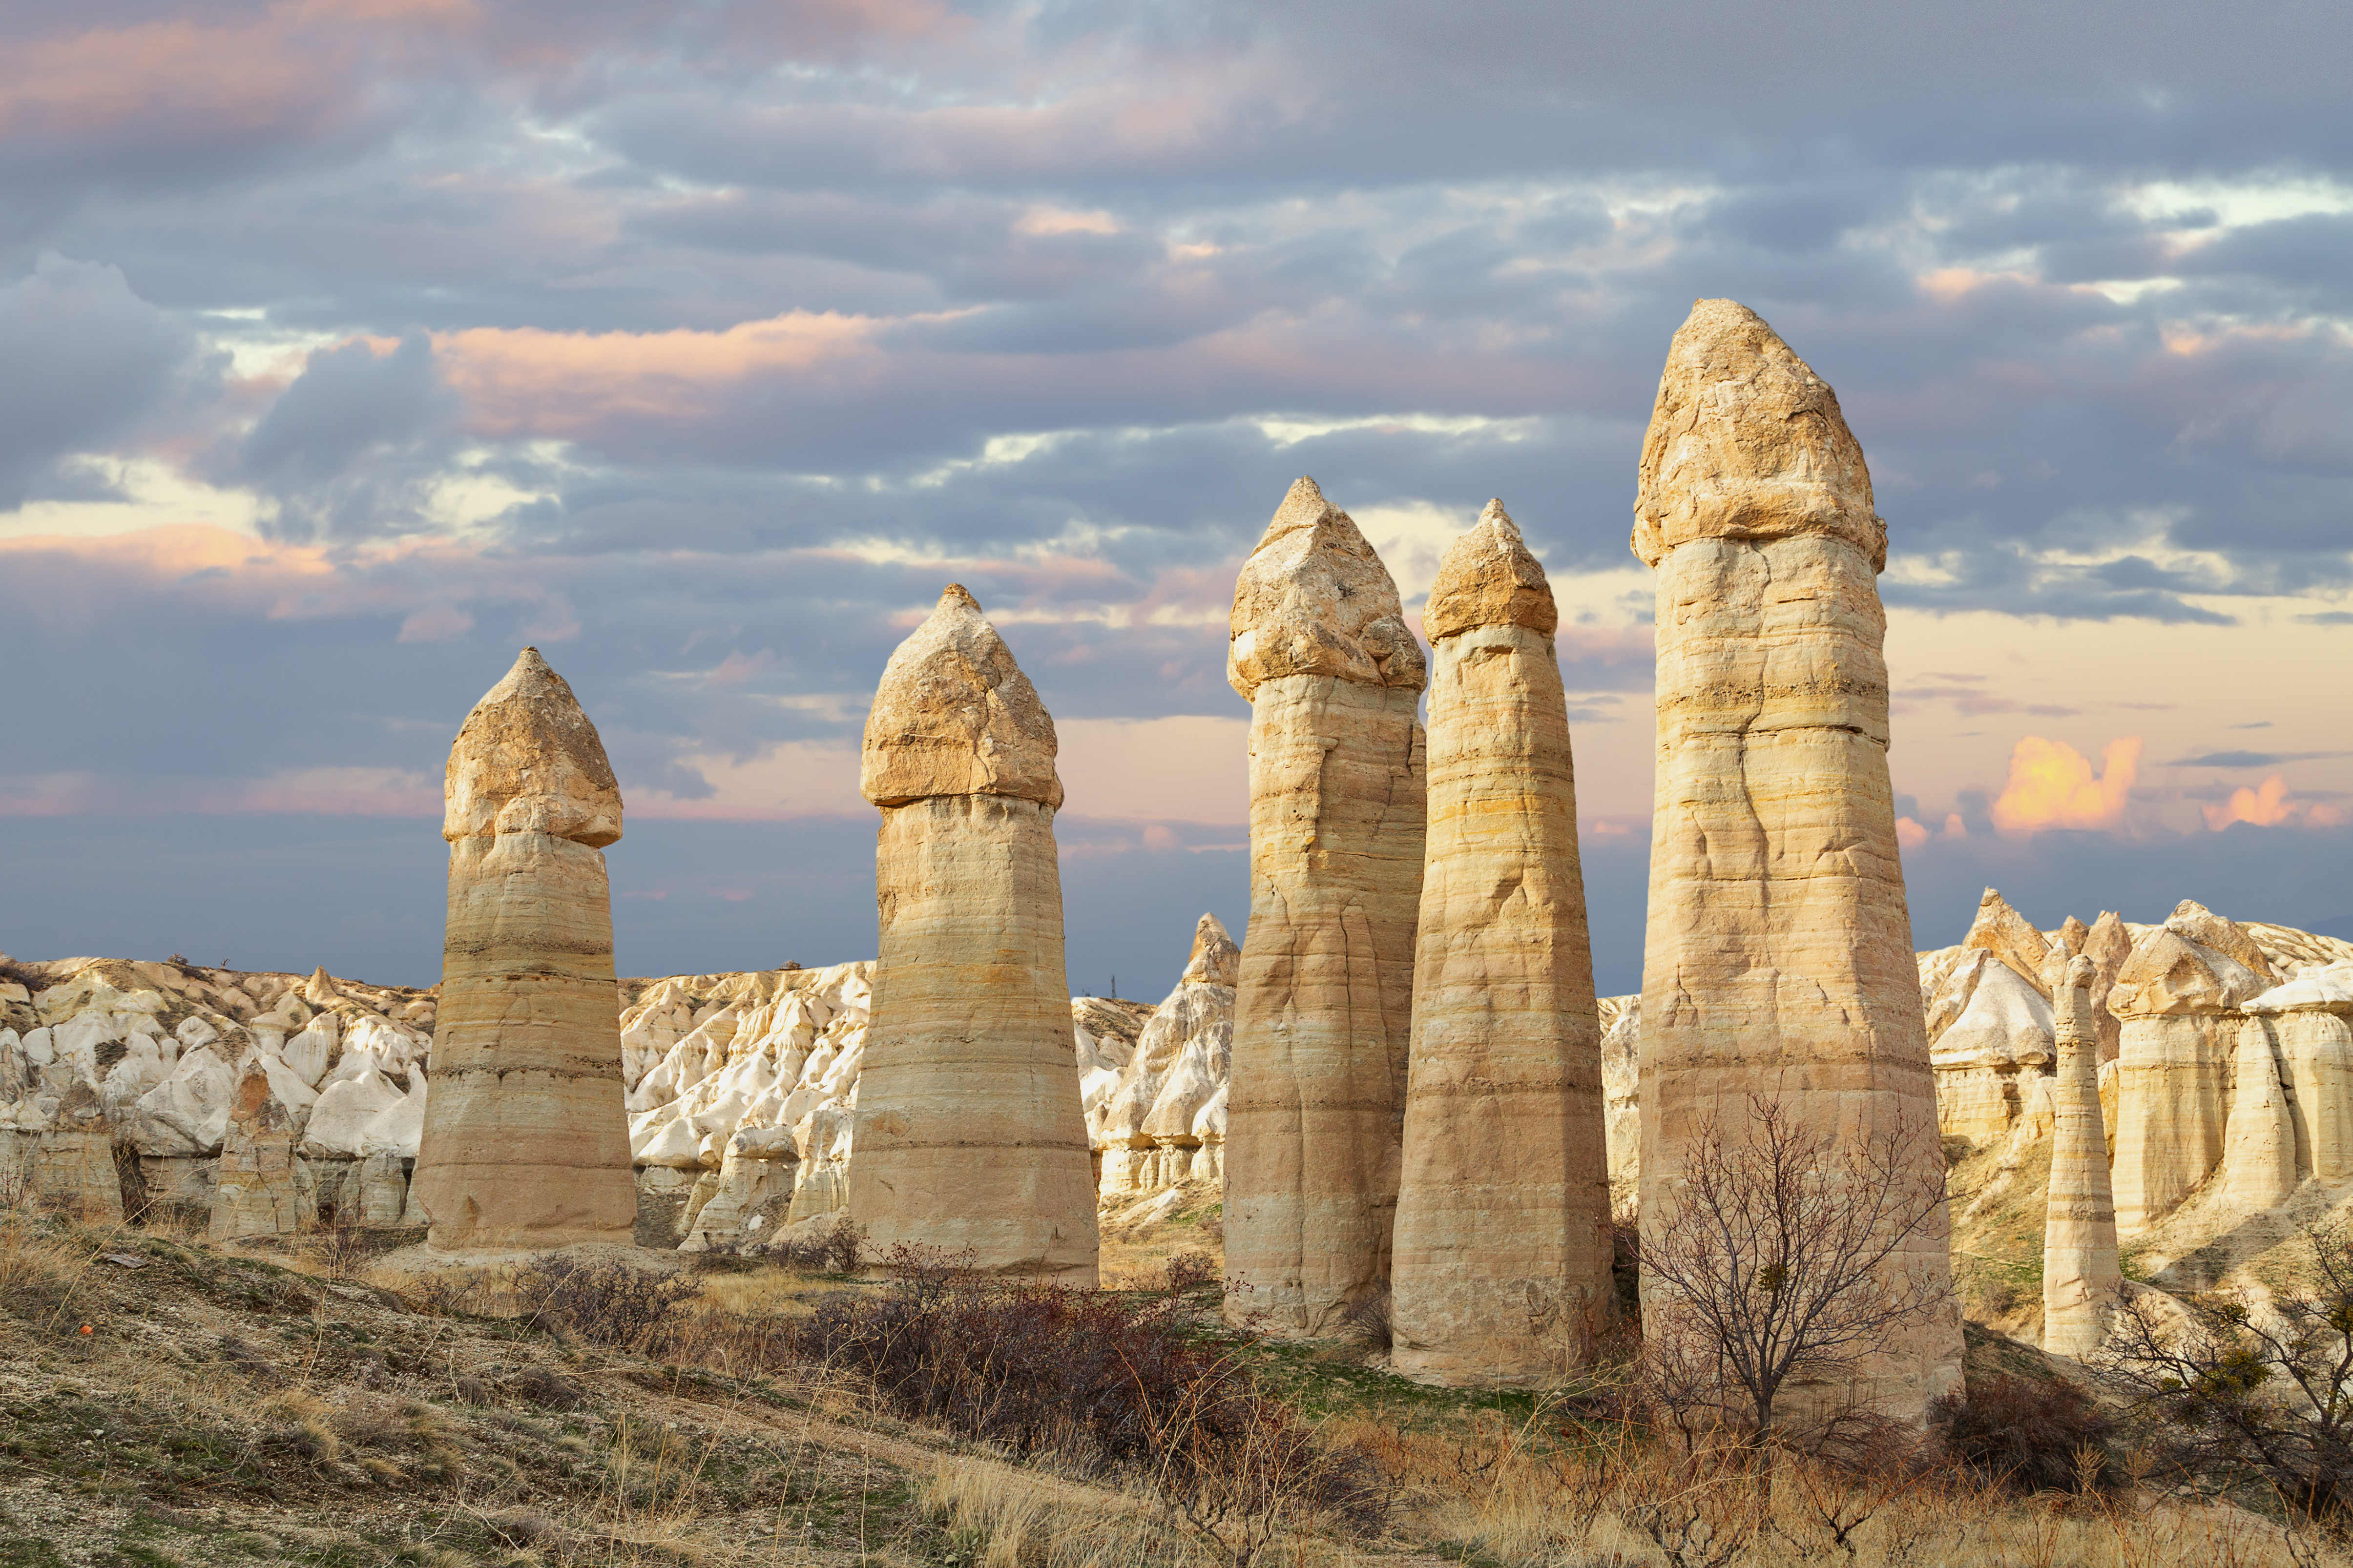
(1778, 960)
(1158, 1119)
(1323, 1007)
(968, 1130)
(2081, 1273)
(262, 1182)
(525, 1141)
(1500, 1270)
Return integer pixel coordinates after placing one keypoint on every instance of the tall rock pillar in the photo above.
(1778, 959)
(527, 1142)
(1501, 1262)
(1324, 1012)
(969, 1133)
(2081, 1269)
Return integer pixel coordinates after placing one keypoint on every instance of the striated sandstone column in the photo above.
(2259, 1165)
(2309, 1015)
(1778, 958)
(1501, 1262)
(1324, 1011)
(526, 1143)
(968, 1132)
(2081, 1272)
(254, 1191)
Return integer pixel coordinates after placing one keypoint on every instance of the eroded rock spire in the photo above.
(527, 1142)
(1501, 1270)
(1779, 957)
(969, 1133)
(1323, 1008)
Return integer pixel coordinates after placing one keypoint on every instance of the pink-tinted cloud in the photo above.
(2052, 785)
(2269, 804)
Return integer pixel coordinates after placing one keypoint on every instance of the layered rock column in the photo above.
(1323, 1009)
(527, 1142)
(1502, 1260)
(2309, 1016)
(968, 1131)
(1779, 957)
(2080, 1271)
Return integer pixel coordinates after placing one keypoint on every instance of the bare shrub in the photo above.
(1100, 1383)
(1701, 1506)
(1188, 1272)
(2253, 1393)
(838, 1251)
(606, 1303)
(1779, 1259)
(1369, 1316)
(2026, 1435)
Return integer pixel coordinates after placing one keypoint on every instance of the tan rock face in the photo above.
(1778, 958)
(2259, 1146)
(2177, 1001)
(1324, 1010)
(1500, 1267)
(968, 1132)
(2108, 944)
(525, 1140)
(2009, 936)
(257, 1192)
(2081, 1272)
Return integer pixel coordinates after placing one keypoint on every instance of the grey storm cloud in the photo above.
(86, 361)
(347, 445)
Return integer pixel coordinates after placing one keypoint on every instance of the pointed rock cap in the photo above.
(954, 715)
(1216, 960)
(2201, 924)
(2169, 973)
(1313, 599)
(2108, 943)
(527, 759)
(320, 989)
(2008, 935)
(1746, 442)
(1489, 579)
(2072, 932)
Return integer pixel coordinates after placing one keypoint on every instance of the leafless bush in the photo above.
(2248, 1394)
(1780, 1258)
(605, 1303)
(2026, 1435)
(838, 1251)
(1368, 1315)
(1190, 1271)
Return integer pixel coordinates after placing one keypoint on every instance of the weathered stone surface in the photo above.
(2259, 1165)
(1159, 1119)
(2177, 1000)
(1999, 1039)
(2007, 935)
(1499, 1272)
(1777, 959)
(2108, 944)
(257, 1192)
(2080, 1271)
(525, 1140)
(2309, 1016)
(954, 715)
(968, 1130)
(1323, 1009)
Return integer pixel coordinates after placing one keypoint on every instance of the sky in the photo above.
(348, 345)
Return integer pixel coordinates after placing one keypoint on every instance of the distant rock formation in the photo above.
(1778, 956)
(524, 1141)
(1158, 1119)
(1324, 1012)
(968, 1130)
(1500, 1273)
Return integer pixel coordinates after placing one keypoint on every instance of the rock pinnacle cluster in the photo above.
(969, 1133)
(1324, 1007)
(1501, 1260)
(1778, 960)
(525, 1140)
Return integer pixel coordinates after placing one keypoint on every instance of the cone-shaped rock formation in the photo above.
(968, 1132)
(1501, 1260)
(526, 1143)
(1778, 958)
(1324, 1010)
(2081, 1272)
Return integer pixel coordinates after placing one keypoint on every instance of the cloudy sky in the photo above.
(346, 345)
